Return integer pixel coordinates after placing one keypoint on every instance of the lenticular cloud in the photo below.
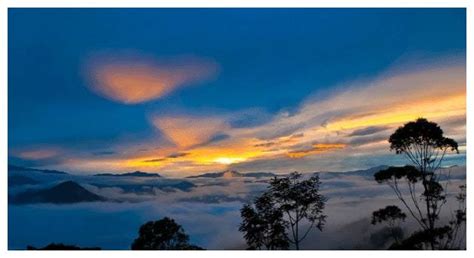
(136, 80)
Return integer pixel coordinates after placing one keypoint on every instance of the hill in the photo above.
(131, 174)
(12, 168)
(65, 192)
(362, 172)
(233, 174)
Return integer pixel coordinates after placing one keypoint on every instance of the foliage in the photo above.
(392, 215)
(263, 225)
(288, 202)
(164, 234)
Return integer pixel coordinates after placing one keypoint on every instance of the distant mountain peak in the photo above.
(233, 174)
(131, 174)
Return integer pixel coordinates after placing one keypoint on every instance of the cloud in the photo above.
(316, 149)
(104, 153)
(368, 130)
(189, 131)
(37, 154)
(132, 80)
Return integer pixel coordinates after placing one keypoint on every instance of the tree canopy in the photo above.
(164, 234)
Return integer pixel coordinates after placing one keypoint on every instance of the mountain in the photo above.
(259, 174)
(362, 172)
(233, 174)
(65, 192)
(131, 174)
(224, 174)
(17, 180)
(45, 171)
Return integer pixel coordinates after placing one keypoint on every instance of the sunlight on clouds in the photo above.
(228, 161)
(132, 81)
(189, 131)
(316, 149)
(447, 106)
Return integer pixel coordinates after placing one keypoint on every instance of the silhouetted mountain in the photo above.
(233, 174)
(259, 174)
(60, 246)
(65, 192)
(17, 180)
(134, 174)
(46, 171)
(362, 172)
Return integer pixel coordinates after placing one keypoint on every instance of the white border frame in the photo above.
(5, 4)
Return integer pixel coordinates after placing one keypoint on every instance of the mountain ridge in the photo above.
(63, 193)
(131, 174)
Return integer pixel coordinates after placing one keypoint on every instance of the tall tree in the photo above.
(164, 234)
(422, 142)
(301, 202)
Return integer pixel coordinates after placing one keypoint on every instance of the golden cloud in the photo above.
(316, 149)
(189, 131)
(132, 81)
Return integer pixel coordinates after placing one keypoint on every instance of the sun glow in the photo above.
(228, 161)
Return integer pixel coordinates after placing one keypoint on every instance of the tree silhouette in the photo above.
(287, 203)
(164, 234)
(423, 144)
(263, 225)
(392, 216)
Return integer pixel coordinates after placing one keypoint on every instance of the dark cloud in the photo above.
(155, 160)
(104, 153)
(265, 144)
(368, 131)
(356, 141)
(177, 155)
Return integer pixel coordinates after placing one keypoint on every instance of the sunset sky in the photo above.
(188, 91)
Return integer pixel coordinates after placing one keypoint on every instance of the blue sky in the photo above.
(237, 77)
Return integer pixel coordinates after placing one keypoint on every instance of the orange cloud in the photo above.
(136, 81)
(316, 149)
(189, 131)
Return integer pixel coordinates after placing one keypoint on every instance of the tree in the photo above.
(392, 216)
(423, 144)
(285, 206)
(164, 234)
(301, 201)
(263, 225)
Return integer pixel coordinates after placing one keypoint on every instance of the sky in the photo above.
(188, 91)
